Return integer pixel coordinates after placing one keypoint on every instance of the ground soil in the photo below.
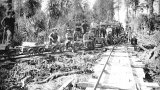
(13, 72)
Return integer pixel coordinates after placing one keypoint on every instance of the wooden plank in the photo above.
(29, 44)
(66, 84)
(100, 89)
(107, 60)
(102, 86)
(2, 46)
(153, 85)
(138, 65)
(146, 88)
(143, 48)
(138, 87)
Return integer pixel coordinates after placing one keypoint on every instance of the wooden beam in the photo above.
(97, 82)
(102, 86)
(143, 48)
(66, 84)
(138, 65)
(138, 86)
(2, 46)
(153, 85)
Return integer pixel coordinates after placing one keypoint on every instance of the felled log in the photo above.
(58, 74)
(138, 65)
(153, 85)
(66, 84)
(142, 47)
(24, 80)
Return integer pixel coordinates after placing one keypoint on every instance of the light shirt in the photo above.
(109, 29)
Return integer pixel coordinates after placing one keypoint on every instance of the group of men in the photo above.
(87, 33)
(81, 31)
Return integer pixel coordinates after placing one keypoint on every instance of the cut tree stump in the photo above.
(58, 74)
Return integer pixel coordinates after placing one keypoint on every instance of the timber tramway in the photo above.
(114, 72)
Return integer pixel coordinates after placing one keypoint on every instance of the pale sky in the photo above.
(44, 5)
(91, 3)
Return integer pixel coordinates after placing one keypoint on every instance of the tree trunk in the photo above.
(135, 13)
(150, 3)
(159, 7)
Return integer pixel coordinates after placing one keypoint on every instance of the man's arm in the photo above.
(66, 35)
(2, 22)
(50, 37)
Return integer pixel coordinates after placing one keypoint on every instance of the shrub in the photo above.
(31, 7)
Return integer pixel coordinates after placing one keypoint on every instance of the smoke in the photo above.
(44, 5)
(90, 3)
(120, 14)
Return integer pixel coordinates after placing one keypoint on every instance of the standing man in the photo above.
(109, 34)
(8, 23)
(134, 42)
(102, 30)
(129, 33)
(79, 28)
(108, 29)
(85, 26)
(97, 31)
(85, 39)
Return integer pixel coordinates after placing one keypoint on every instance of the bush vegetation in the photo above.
(147, 32)
(34, 24)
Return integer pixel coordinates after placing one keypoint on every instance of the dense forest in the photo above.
(36, 18)
(34, 22)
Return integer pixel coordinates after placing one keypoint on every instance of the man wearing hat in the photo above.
(134, 42)
(78, 29)
(69, 38)
(8, 23)
(53, 37)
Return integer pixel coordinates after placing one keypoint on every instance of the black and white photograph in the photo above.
(79, 44)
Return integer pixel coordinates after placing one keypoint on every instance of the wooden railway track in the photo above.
(18, 56)
(110, 69)
(116, 72)
(69, 82)
(117, 57)
(99, 78)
